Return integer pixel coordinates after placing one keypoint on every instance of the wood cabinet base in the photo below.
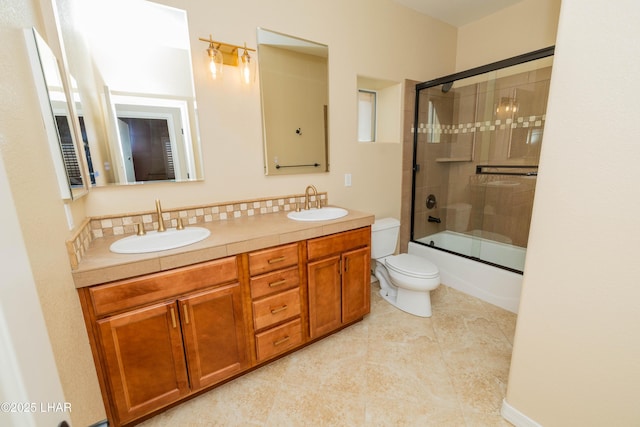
(166, 337)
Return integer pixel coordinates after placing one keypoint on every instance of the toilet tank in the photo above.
(384, 237)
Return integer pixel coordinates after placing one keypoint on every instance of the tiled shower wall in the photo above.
(471, 133)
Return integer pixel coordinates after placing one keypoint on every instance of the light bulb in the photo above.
(215, 62)
(245, 68)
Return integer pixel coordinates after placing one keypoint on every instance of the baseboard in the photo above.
(516, 417)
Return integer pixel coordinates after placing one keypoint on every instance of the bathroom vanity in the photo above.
(167, 326)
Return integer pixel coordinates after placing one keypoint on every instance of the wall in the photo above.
(231, 133)
(41, 213)
(230, 117)
(576, 358)
(526, 26)
(28, 371)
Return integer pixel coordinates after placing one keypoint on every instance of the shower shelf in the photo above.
(453, 159)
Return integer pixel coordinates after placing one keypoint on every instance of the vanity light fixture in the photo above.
(219, 53)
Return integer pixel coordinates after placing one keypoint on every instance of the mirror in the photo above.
(132, 61)
(56, 116)
(294, 88)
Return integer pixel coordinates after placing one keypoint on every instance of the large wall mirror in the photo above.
(294, 89)
(132, 63)
(56, 116)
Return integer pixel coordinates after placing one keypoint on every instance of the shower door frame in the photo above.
(451, 78)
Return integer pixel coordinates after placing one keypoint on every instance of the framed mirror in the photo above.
(56, 115)
(294, 89)
(136, 83)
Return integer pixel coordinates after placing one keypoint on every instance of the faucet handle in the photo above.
(140, 229)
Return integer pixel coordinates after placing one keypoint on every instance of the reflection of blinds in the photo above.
(169, 156)
(68, 151)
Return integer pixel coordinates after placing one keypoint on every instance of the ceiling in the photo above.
(457, 12)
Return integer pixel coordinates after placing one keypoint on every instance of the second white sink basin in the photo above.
(154, 241)
(315, 214)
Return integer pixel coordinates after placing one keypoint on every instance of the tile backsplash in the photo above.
(120, 225)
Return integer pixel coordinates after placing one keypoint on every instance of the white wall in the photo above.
(576, 359)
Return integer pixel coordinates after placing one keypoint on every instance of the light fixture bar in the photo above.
(229, 51)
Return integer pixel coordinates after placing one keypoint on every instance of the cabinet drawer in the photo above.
(271, 283)
(126, 294)
(273, 259)
(276, 308)
(334, 244)
(278, 340)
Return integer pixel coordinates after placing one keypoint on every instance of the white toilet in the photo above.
(405, 280)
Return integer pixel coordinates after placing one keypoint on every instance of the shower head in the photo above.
(447, 87)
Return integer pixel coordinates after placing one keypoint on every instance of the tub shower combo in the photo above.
(476, 142)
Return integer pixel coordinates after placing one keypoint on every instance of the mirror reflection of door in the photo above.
(127, 155)
(147, 149)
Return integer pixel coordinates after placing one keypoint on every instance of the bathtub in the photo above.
(489, 283)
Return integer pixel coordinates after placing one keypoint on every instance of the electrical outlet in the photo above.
(347, 180)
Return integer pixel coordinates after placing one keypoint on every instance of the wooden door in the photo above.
(214, 335)
(356, 280)
(144, 358)
(324, 296)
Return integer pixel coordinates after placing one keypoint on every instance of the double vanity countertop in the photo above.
(228, 237)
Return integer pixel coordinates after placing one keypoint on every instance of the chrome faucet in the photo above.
(160, 221)
(307, 199)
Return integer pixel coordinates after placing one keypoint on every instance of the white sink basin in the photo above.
(155, 242)
(315, 214)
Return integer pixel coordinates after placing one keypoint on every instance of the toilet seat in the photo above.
(412, 266)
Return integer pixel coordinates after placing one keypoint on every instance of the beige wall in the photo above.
(526, 26)
(576, 359)
(41, 212)
(230, 118)
(231, 134)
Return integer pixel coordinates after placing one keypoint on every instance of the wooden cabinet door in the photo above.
(214, 335)
(356, 279)
(145, 359)
(324, 296)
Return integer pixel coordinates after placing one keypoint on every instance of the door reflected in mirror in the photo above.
(294, 88)
(132, 61)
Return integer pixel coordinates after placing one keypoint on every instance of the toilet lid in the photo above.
(413, 266)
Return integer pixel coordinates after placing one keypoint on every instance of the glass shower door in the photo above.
(476, 149)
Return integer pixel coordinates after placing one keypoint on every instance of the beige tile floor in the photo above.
(391, 369)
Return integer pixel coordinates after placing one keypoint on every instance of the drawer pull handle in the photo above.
(186, 314)
(173, 318)
(278, 283)
(278, 310)
(281, 341)
(276, 260)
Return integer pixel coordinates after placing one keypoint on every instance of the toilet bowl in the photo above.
(405, 280)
